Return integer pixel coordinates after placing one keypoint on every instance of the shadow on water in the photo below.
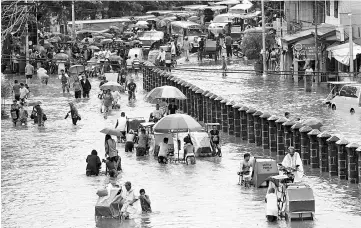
(44, 183)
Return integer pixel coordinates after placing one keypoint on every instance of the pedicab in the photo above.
(134, 123)
(295, 200)
(109, 202)
(211, 48)
(216, 150)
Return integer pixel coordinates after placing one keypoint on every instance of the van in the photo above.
(348, 99)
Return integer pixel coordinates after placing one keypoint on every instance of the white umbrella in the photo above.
(113, 86)
(243, 6)
(166, 92)
(142, 23)
(228, 2)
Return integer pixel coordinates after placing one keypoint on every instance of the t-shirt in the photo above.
(29, 69)
(122, 123)
(214, 136)
(186, 45)
(172, 108)
(116, 95)
(143, 141)
(42, 72)
(23, 92)
(130, 137)
(76, 86)
(228, 40)
(163, 149)
(129, 62)
(132, 86)
(16, 89)
(63, 78)
(271, 206)
(157, 114)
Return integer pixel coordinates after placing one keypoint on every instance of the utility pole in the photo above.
(351, 42)
(264, 42)
(73, 20)
(27, 35)
(316, 43)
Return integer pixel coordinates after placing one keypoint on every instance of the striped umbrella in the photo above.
(177, 123)
(166, 92)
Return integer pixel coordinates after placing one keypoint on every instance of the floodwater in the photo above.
(44, 184)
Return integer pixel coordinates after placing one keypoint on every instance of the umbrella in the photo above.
(141, 26)
(166, 92)
(314, 123)
(243, 6)
(93, 47)
(61, 56)
(118, 40)
(115, 58)
(107, 35)
(112, 86)
(193, 18)
(106, 41)
(99, 37)
(87, 40)
(111, 131)
(177, 123)
(76, 69)
(142, 23)
(34, 103)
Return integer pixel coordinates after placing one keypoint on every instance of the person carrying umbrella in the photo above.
(73, 113)
(107, 101)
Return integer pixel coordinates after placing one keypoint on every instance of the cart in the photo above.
(134, 123)
(216, 151)
(211, 49)
(295, 200)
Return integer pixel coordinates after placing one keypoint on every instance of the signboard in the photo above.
(306, 51)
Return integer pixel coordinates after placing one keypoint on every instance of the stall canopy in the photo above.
(228, 2)
(342, 52)
(243, 6)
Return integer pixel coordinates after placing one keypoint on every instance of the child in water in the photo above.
(144, 202)
(224, 66)
(271, 207)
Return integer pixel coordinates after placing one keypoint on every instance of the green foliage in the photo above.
(252, 44)
(5, 89)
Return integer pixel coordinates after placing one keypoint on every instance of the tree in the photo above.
(252, 43)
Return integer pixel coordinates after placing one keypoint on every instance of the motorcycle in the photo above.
(237, 51)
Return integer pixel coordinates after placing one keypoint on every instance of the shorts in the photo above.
(141, 151)
(77, 94)
(29, 76)
(129, 146)
(17, 97)
(271, 218)
(162, 159)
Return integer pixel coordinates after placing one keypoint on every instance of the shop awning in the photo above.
(342, 52)
(322, 30)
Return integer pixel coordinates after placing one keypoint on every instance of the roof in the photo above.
(184, 24)
(322, 30)
(100, 21)
(216, 7)
(194, 7)
(228, 2)
(151, 35)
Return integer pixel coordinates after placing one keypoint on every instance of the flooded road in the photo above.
(44, 184)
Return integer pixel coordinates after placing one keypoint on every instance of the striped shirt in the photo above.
(136, 63)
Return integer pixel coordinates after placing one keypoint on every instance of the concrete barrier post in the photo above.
(244, 127)
(205, 106)
(224, 115)
(230, 115)
(159, 79)
(332, 155)
(200, 109)
(273, 135)
(184, 102)
(215, 109)
(305, 145)
(323, 150)
(237, 120)
(280, 138)
(258, 128)
(144, 77)
(352, 158)
(314, 147)
(288, 133)
(189, 99)
(342, 159)
(210, 111)
(265, 130)
(250, 125)
(218, 110)
(296, 137)
(192, 100)
(358, 150)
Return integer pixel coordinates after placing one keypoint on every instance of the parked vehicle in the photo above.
(220, 24)
(348, 99)
(188, 29)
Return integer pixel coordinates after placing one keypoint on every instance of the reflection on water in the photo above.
(44, 183)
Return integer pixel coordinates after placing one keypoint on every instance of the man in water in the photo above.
(246, 168)
(271, 206)
(132, 87)
(156, 115)
(16, 90)
(214, 135)
(136, 65)
(163, 151)
(293, 161)
(64, 78)
(172, 108)
(85, 84)
(121, 125)
(129, 199)
(144, 202)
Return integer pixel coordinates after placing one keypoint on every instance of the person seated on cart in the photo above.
(129, 144)
(156, 115)
(271, 205)
(293, 162)
(215, 139)
(163, 151)
(143, 143)
(246, 168)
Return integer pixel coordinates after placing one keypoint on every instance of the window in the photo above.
(328, 7)
(335, 9)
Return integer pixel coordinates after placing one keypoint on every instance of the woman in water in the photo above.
(93, 164)
(110, 147)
